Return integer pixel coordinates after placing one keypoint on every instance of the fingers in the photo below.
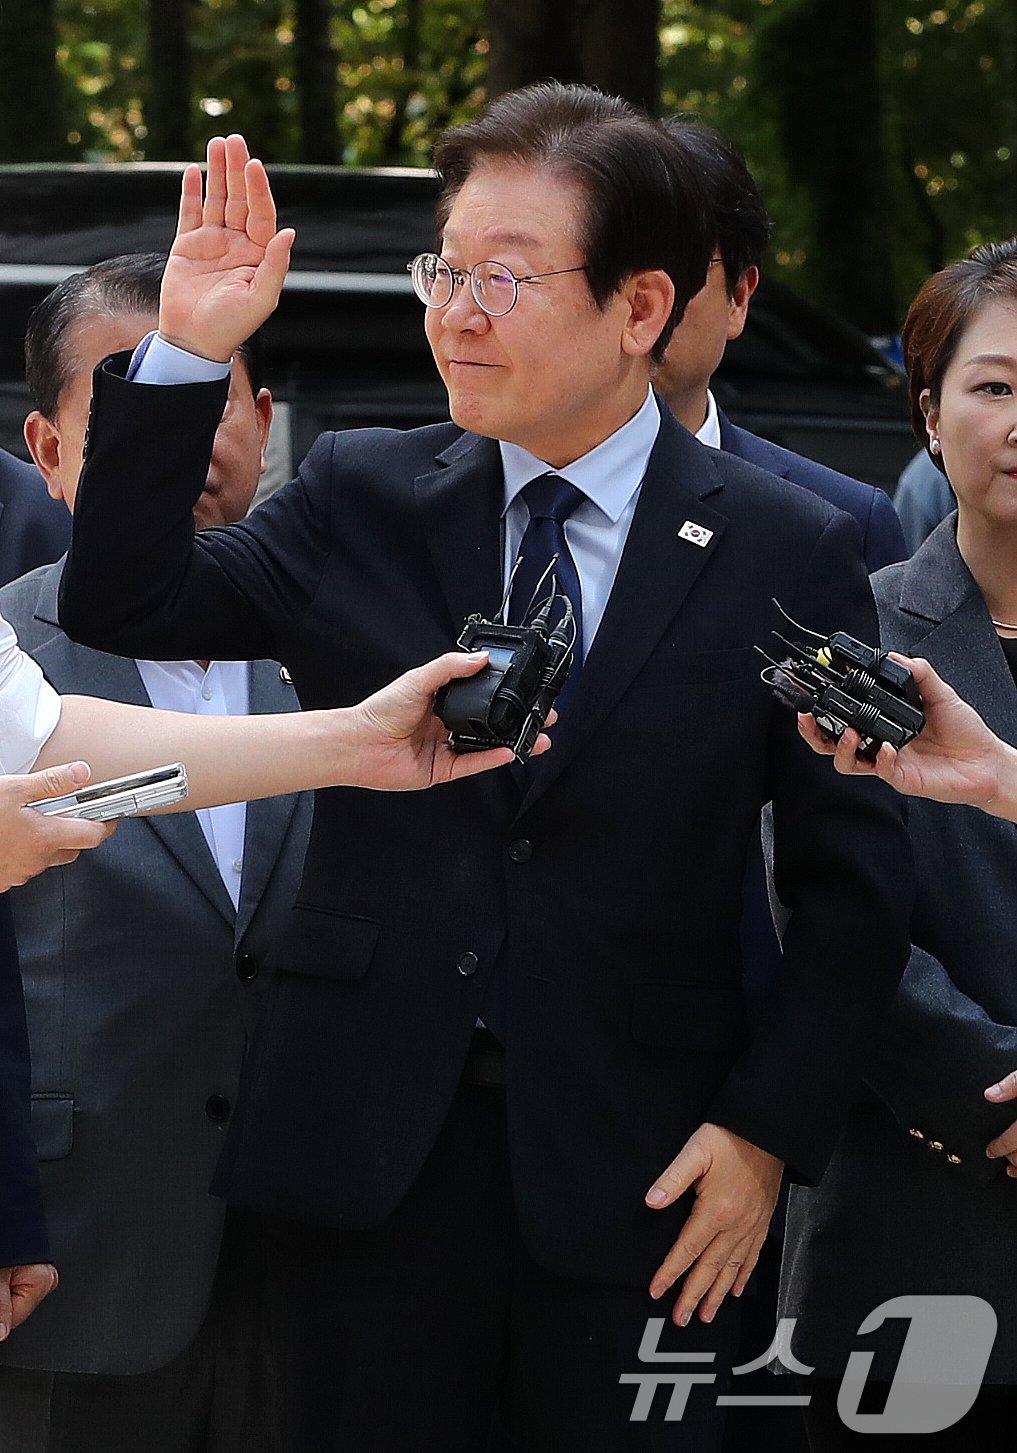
(272, 270)
(189, 217)
(688, 1165)
(725, 1264)
(1004, 1089)
(235, 211)
(468, 764)
(261, 217)
(29, 1286)
(55, 781)
(213, 213)
(810, 730)
(6, 1310)
(1004, 1145)
(433, 675)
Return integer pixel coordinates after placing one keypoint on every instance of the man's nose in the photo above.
(462, 312)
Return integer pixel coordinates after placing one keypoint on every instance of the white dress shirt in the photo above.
(29, 707)
(223, 690)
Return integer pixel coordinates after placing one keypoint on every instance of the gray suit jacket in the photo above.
(142, 988)
(910, 1203)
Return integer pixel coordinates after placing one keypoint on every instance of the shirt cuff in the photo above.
(156, 361)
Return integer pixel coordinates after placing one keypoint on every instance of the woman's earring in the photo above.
(934, 446)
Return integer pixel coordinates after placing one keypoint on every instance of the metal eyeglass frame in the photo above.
(460, 274)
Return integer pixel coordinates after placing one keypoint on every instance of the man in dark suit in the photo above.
(715, 316)
(34, 530)
(507, 1199)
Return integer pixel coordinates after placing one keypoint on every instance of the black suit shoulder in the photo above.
(34, 529)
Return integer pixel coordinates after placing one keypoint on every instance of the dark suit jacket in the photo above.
(609, 887)
(34, 529)
(882, 544)
(911, 1204)
(142, 984)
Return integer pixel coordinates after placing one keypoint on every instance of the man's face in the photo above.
(556, 374)
(238, 458)
(697, 345)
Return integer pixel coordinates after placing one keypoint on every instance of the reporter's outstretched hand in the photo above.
(397, 743)
(226, 267)
(22, 1288)
(956, 758)
(31, 842)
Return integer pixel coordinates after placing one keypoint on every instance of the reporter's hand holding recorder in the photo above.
(956, 758)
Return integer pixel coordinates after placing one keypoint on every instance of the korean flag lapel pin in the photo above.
(695, 534)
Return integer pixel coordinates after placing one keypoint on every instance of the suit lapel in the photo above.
(76, 669)
(269, 818)
(656, 572)
(460, 506)
(937, 586)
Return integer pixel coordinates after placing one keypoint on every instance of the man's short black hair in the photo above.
(119, 285)
(742, 226)
(645, 201)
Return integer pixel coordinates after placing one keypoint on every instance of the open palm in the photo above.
(228, 262)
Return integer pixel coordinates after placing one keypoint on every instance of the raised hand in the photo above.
(226, 267)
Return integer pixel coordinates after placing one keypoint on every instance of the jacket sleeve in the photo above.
(843, 869)
(936, 1052)
(138, 580)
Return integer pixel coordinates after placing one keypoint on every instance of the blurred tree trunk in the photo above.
(32, 121)
(317, 85)
(168, 113)
(600, 42)
(823, 62)
(409, 80)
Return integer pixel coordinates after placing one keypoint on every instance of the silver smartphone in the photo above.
(122, 796)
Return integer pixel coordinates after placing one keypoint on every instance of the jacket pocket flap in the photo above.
(326, 944)
(691, 1017)
(53, 1125)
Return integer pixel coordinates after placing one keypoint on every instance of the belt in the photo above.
(485, 1062)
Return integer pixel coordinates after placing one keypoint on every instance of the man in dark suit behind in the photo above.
(34, 529)
(439, 1202)
(715, 316)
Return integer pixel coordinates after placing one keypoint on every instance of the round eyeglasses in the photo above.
(494, 286)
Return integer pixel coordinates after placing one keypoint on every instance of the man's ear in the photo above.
(738, 303)
(43, 439)
(263, 409)
(650, 296)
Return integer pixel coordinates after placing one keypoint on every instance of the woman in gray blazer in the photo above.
(917, 1202)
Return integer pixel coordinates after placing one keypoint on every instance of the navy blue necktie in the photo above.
(550, 501)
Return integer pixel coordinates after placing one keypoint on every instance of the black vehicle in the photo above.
(346, 346)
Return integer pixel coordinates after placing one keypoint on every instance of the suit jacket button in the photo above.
(954, 1159)
(217, 1107)
(468, 964)
(935, 1144)
(918, 1134)
(521, 850)
(248, 968)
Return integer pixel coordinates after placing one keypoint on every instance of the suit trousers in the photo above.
(437, 1331)
(215, 1397)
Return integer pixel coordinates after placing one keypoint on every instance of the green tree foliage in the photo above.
(895, 149)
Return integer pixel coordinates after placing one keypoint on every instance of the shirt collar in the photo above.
(608, 475)
(709, 434)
